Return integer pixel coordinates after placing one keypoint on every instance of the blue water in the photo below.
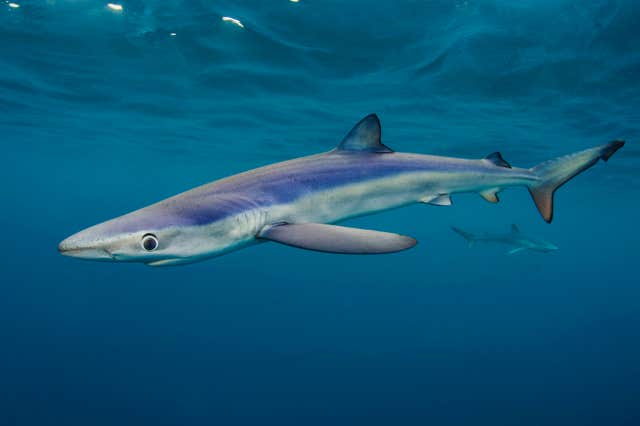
(104, 111)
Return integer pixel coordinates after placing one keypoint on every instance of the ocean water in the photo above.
(103, 111)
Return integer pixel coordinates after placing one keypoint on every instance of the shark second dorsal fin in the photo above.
(496, 158)
(515, 229)
(365, 136)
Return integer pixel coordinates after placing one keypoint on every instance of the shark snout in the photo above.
(76, 246)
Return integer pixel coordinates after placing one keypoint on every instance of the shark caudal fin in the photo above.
(554, 173)
(468, 236)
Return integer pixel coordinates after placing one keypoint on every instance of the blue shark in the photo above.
(515, 238)
(298, 202)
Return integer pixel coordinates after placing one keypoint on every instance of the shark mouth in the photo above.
(87, 253)
(170, 262)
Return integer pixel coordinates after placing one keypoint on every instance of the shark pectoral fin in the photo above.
(516, 250)
(491, 195)
(437, 200)
(336, 239)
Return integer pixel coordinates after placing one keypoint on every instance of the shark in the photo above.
(515, 238)
(300, 202)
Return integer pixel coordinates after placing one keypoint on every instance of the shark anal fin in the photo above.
(491, 195)
(437, 200)
(365, 136)
(336, 239)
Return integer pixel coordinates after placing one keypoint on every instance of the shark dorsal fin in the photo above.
(365, 136)
(496, 158)
(515, 229)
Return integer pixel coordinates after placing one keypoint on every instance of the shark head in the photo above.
(544, 246)
(550, 246)
(171, 232)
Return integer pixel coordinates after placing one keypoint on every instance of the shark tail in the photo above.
(468, 236)
(554, 173)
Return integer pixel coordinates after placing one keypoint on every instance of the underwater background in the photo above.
(105, 109)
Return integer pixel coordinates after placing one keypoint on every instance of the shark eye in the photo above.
(149, 242)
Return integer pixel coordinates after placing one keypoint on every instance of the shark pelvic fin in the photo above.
(515, 229)
(336, 239)
(491, 195)
(365, 136)
(437, 200)
(496, 158)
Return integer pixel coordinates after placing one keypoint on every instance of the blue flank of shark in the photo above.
(296, 202)
(515, 238)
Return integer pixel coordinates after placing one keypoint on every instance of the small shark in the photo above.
(297, 202)
(514, 238)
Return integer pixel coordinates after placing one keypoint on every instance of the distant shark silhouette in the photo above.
(514, 238)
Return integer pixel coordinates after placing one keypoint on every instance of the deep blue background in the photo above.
(102, 112)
